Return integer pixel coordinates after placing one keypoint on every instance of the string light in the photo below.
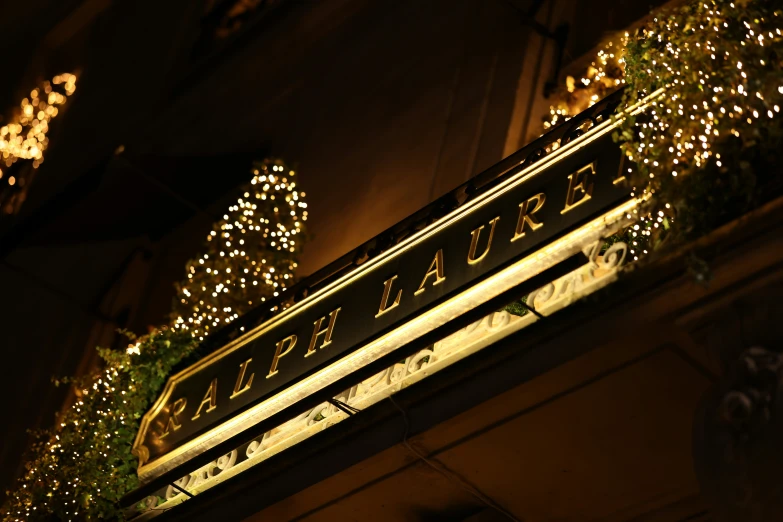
(25, 136)
(717, 63)
(250, 254)
(605, 75)
(81, 469)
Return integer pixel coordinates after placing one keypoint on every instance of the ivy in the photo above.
(80, 470)
(707, 149)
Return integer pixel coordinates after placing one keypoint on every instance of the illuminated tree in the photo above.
(81, 468)
(249, 256)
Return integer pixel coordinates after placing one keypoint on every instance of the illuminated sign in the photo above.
(479, 250)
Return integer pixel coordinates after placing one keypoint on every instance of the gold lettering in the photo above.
(326, 331)
(210, 398)
(173, 423)
(238, 388)
(581, 180)
(279, 352)
(436, 269)
(474, 237)
(387, 285)
(527, 216)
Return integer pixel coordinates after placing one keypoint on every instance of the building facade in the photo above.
(596, 405)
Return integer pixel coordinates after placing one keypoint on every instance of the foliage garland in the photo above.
(80, 469)
(708, 149)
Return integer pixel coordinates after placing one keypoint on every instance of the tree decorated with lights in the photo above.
(81, 468)
(250, 255)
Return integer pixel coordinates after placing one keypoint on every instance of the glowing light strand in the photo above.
(25, 136)
(250, 256)
(604, 75)
(80, 469)
(719, 63)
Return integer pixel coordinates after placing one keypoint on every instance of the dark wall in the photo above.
(600, 18)
(384, 105)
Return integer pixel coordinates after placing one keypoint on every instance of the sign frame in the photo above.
(537, 261)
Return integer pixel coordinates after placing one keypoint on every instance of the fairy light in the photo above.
(25, 136)
(605, 74)
(250, 254)
(81, 468)
(717, 84)
(720, 66)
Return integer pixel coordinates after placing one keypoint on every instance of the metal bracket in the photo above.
(345, 408)
(182, 490)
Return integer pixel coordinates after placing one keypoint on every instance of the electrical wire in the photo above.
(450, 475)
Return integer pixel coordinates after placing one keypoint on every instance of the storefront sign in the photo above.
(381, 305)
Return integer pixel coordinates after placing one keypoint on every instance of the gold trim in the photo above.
(455, 306)
(474, 239)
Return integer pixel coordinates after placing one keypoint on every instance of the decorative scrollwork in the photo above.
(172, 492)
(568, 285)
(318, 413)
(227, 461)
(397, 373)
(379, 378)
(472, 327)
(539, 297)
(473, 337)
(143, 453)
(203, 474)
(737, 440)
(748, 405)
(256, 446)
(614, 256)
(497, 320)
(148, 503)
(420, 360)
